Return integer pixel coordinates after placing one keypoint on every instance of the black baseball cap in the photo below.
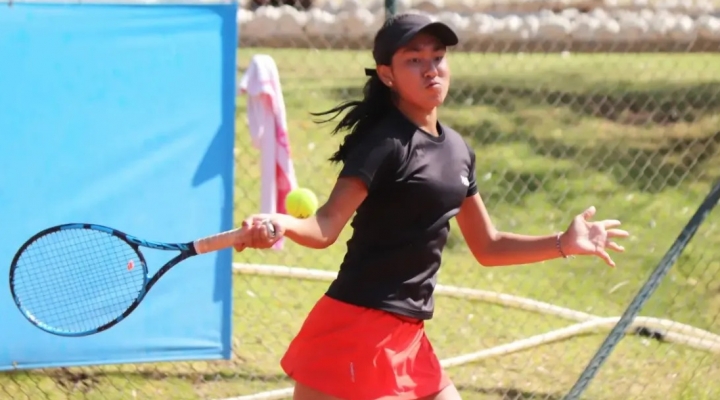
(401, 29)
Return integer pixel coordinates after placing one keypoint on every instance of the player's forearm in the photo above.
(314, 232)
(515, 249)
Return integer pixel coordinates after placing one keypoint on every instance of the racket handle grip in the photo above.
(224, 240)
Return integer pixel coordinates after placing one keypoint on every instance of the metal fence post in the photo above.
(390, 8)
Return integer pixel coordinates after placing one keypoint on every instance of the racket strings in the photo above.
(64, 283)
(76, 280)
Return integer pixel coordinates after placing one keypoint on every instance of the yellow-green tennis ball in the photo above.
(301, 203)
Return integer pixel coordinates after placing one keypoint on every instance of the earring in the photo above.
(389, 83)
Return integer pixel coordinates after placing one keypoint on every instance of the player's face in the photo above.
(421, 74)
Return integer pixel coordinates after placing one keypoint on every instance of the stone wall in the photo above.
(520, 26)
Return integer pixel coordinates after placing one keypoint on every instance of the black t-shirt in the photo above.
(416, 183)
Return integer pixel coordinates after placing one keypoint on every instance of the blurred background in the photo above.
(567, 104)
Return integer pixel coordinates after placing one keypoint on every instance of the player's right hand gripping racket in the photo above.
(81, 279)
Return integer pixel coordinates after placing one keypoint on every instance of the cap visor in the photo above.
(441, 31)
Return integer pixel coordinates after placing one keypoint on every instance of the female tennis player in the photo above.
(405, 175)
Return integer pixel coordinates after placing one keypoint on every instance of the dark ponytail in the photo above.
(361, 115)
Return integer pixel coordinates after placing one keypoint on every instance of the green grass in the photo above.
(634, 135)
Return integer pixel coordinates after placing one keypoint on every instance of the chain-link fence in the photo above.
(635, 134)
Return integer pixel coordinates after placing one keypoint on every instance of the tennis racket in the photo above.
(81, 279)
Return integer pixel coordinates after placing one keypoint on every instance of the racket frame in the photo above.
(186, 250)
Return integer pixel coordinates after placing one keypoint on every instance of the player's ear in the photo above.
(385, 74)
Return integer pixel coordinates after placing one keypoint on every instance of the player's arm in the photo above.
(491, 247)
(322, 229)
(364, 163)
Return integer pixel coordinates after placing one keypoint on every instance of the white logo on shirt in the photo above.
(464, 180)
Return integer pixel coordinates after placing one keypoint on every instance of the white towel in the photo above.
(268, 130)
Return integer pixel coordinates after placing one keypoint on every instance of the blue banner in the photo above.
(121, 115)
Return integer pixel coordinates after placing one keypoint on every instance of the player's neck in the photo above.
(424, 120)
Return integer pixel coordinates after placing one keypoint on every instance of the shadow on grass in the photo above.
(87, 379)
(644, 169)
(619, 102)
(647, 166)
(509, 393)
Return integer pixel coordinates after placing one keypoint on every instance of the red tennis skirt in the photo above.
(358, 353)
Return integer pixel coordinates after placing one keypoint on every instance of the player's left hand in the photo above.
(258, 235)
(586, 237)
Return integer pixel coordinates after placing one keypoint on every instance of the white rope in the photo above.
(671, 331)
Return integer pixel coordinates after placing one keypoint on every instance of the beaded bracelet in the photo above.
(559, 247)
